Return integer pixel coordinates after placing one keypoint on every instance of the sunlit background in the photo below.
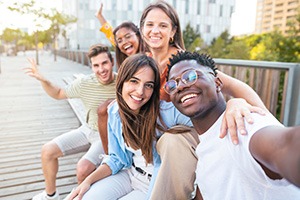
(244, 12)
(14, 20)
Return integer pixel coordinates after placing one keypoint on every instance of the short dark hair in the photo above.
(202, 59)
(97, 49)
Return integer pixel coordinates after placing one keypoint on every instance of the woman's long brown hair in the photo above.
(139, 129)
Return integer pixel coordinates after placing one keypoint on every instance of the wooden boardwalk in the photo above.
(28, 119)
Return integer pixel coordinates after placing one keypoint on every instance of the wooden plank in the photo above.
(36, 186)
(17, 166)
(63, 191)
(274, 90)
(28, 119)
(286, 75)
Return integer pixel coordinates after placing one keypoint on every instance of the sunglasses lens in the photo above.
(189, 77)
(170, 86)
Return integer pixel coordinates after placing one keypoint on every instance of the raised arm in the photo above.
(239, 89)
(52, 90)
(100, 16)
(246, 101)
(106, 28)
(278, 149)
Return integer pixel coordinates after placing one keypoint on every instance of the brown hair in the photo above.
(97, 49)
(172, 14)
(139, 130)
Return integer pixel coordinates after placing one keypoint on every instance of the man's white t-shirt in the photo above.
(228, 171)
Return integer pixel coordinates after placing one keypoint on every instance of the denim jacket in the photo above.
(119, 157)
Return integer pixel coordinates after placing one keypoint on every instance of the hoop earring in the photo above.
(171, 40)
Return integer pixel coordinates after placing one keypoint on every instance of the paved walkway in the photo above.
(28, 119)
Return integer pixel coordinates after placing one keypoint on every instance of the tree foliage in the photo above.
(11, 35)
(192, 39)
(56, 19)
(219, 45)
(273, 46)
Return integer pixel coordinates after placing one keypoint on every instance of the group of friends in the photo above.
(160, 127)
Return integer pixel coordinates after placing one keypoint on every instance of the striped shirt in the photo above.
(92, 93)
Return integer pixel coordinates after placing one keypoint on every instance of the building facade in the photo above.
(275, 14)
(209, 17)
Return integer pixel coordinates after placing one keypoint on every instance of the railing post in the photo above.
(294, 111)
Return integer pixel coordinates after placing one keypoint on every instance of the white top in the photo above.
(227, 171)
(139, 160)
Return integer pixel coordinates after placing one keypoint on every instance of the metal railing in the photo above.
(277, 83)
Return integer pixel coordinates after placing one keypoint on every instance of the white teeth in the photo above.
(127, 46)
(136, 98)
(183, 99)
(155, 38)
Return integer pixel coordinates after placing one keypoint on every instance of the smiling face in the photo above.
(137, 91)
(127, 41)
(157, 29)
(196, 99)
(102, 66)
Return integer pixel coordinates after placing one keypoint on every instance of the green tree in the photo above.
(56, 19)
(268, 48)
(11, 35)
(238, 49)
(226, 37)
(189, 37)
(291, 48)
(196, 45)
(27, 41)
(218, 47)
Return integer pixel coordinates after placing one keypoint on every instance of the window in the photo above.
(130, 5)
(187, 7)
(114, 5)
(221, 11)
(174, 4)
(212, 1)
(292, 3)
(291, 10)
(231, 10)
(207, 28)
(199, 7)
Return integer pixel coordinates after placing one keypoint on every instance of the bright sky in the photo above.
(243, 20)
(15, 20)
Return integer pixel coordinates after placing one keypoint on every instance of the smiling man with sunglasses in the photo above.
(265, 164)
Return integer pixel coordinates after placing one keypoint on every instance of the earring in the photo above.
(218, 89)
(171, 40)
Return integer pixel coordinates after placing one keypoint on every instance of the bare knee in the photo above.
(84, 168)
(50, 151)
